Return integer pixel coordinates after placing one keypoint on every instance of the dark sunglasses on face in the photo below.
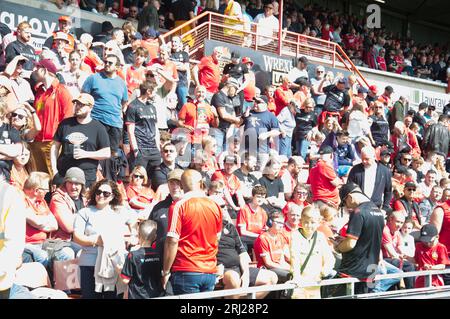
(138, 176)
(105, 193)
(410, 189)
(20, 116)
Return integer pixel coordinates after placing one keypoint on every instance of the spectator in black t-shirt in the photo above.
(235, 260)
(183, 10)
(380, 125)
(160, 173)
(181, 60)
(160, 213)
(141, 121)
(274, 186)
(22, 46)
(423, 70)
(10, 143)
(245, 176)
(361, 246)
(435, 67)
(84, 141)
(142, 269)
(337, 96)
(391, 63)
(236, 70)
(305, 121)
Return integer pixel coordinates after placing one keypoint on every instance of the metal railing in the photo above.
(214, 26)
(251, 292)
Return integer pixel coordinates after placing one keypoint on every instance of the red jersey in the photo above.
(134, 77)
(250, 89)
(389, 238)
(209, 74)
(444, 235)
(152, 46)
(52, 106)
(267, 245)
(34, 235)
(253, 221)
(436, 255)
(195, 221)
(320, 178)
(199, 116)
(231, 182)
(282, 97)
(381, 63)
(144, 195)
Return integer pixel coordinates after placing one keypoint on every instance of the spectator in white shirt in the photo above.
(74, 78)
(268, 25)
(300, 71)
(427, 185)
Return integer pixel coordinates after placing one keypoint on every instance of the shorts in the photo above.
(253, 273)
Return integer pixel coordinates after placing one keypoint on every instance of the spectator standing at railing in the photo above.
(183, 11)
(268, 25)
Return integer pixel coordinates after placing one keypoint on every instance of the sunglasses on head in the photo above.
(104, 193)
(20, 116)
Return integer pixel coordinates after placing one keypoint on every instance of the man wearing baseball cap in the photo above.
(65, 24)
(362, 243)
(65, 202)
(84, 141)
(169, 193)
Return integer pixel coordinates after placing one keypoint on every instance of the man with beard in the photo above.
(84, 141)
(245, 176)
(22, 46)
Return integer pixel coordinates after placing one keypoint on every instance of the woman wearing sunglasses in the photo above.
(100, 229)
(25, 120)
(140, 197)
(299, 199)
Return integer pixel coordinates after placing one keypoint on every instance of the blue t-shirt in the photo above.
(254, 125)
(108, 94)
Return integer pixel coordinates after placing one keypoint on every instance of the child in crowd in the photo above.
(142, 269)
(408, 247)
(430, 255)
(252, 219)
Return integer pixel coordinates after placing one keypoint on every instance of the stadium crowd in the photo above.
(156, 177)
(380, 49)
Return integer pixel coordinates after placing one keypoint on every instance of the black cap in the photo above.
(347, 189)
(427, 233)
(302, 81)
(362, 89)
(261, 99)
(235, 55)
(326, 149)
(303, 59)
(410, 185)
(341, 80)
(389, 89)
(385, 152)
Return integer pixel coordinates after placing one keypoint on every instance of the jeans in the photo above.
(406, 267)
(221, 138)
(385, 284)
(20, 292)
(286, 146)
(67, 253)
(39, 255)
(87, 283)
(192, 282)
(302, 147)
(182, 92)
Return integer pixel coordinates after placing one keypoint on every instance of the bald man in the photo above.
(195, 225)
(373, 179)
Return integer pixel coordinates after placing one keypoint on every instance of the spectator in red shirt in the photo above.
(207, 73)
(269, 92)
(135, 73)
(430, 255)
(392, 246)
(198, 116)
(271, 249)
(140, 197)
(40, 220)
(324, 181)
(252, 218)
(298, 200)
(292, 221)
(52, 104)
(233, 194)
(283, 95)
(166, 68)
(190, 251)
(381, 61)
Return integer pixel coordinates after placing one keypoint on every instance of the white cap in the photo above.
(320, 68)
(86, 38)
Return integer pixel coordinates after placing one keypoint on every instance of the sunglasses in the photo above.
(410, 189)
(104, 193)
(138, 176)
(20, 116)
(169, 151)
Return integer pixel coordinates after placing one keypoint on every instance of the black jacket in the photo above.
(383, 184)
(437, 138)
